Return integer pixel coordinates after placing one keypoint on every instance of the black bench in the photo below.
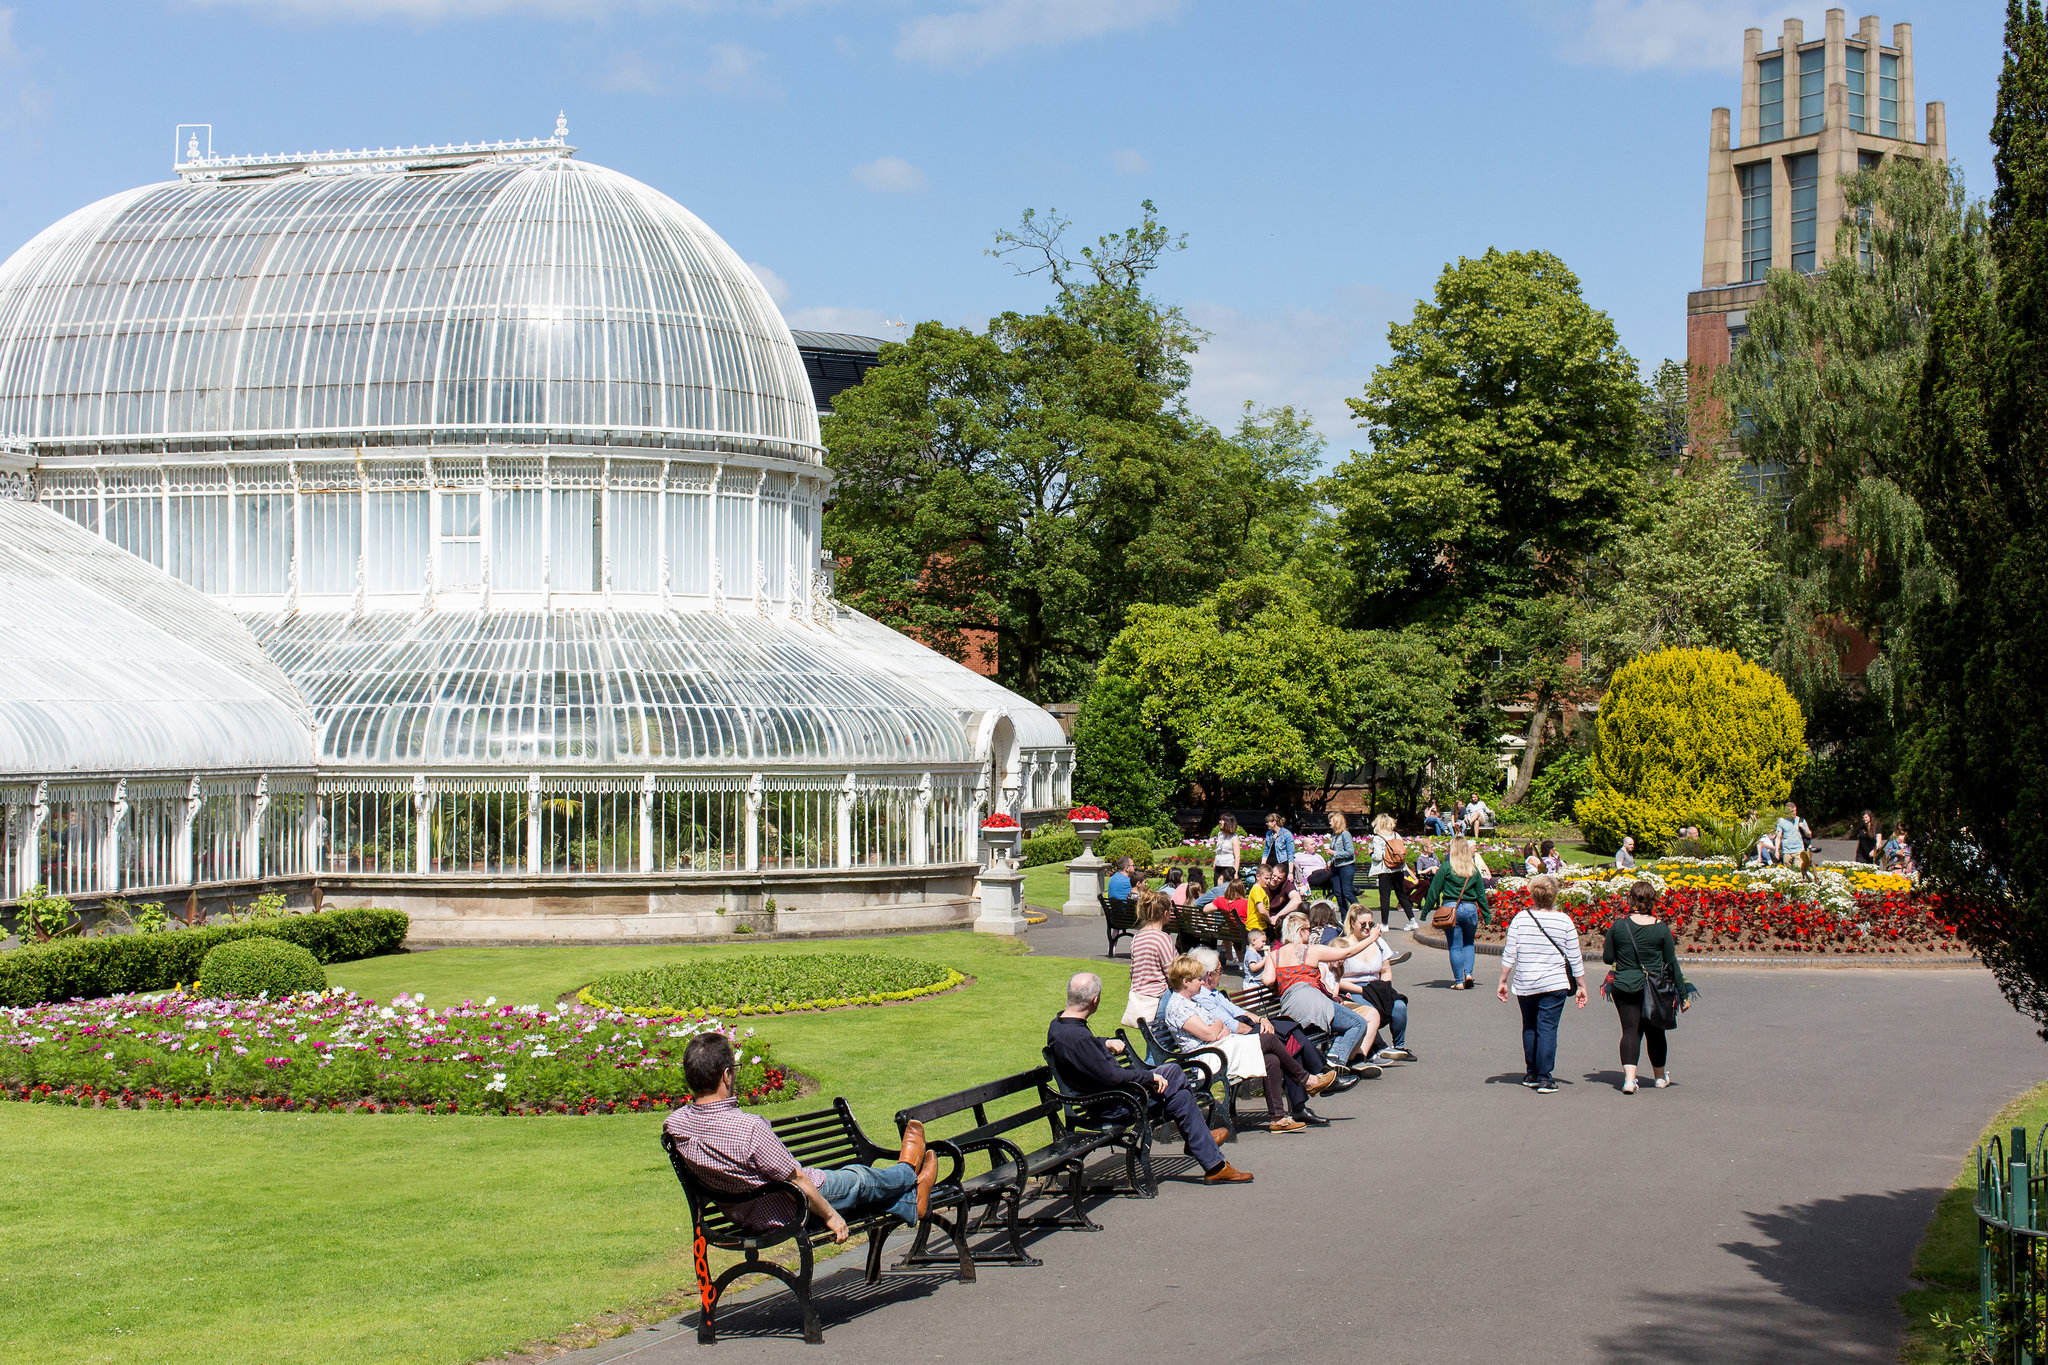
(1204, 1067)
(1119, 919)
(1258, 998)
(822, 1139)
(1011, 1168)
(1080, 1111)
(1207, 924)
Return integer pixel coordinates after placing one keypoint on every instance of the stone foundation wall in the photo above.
(656, 910)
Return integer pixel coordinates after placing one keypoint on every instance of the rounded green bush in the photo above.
(260, 966)
(1688, 737)
(1134, 847)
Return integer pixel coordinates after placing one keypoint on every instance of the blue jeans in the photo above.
(1540, 1014)
(1341, 874)
(1398, 1023)
(863, 1189)
(1349, 1026)
(1459, 939)
(1436, 826)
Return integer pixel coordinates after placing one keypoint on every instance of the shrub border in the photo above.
(953, 980)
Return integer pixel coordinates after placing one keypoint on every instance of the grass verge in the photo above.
(200, 1237)
(1946, 1261)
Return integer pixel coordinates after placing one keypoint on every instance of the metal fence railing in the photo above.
(2012, 1247)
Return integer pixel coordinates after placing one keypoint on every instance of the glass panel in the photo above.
(1803, 173)
(462, 547)
(264, 556)
(72, 842)
(688, 545)
(1770, 96)
(700, 825)
(576, 540)
(1756, 220)
(480, 826)
(366, 826)
(137, 526)
(635, 542)
(800, 824)
(396, 550)
(1812, 89)
(149, 841)
(334, 525)
(198, 542)
(282, 841)
(1854, 57)
(1887, 95)
(735, 544)
(515, 539)
(591, 827)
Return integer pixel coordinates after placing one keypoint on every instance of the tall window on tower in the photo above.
(1770, 99)
(1855, 57)
(1803, 175)
(1887, 95)
(1756, 220)
(1813, 90)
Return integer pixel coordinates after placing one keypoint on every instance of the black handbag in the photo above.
(1660, 997)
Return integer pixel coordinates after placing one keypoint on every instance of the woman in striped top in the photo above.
(1152, 952)
(1542, 959)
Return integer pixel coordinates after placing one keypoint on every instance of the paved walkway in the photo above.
(1764, 1210)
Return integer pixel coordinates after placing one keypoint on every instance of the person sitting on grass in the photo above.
(1255, 1054)
(735, 1154)
(1089, 1063)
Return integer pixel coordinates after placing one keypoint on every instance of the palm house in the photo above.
(440, 528)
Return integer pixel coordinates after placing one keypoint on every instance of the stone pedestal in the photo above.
(1001, 892)
(1087, 875)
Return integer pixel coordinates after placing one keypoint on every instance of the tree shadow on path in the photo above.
(1829, 1275)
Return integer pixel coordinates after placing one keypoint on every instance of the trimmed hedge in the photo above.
(248, 967)
(87, 968)
(1060, 846)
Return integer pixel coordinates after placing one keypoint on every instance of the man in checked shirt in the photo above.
(736, 1153)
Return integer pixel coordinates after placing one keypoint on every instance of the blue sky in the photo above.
(1325, 158)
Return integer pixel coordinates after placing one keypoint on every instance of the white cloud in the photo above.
(987, 29)
(866, 322)
(10, 54)
(1679, 35)
(777, 288)
(631, 73)
(1130, 161)
(889, 175)
(434, 11)
(1313, 358)
(735, 70)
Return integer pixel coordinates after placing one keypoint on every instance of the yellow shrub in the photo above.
(1686, 736)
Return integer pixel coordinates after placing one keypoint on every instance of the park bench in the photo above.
(1204, 1067)
(1258, 998)
(1119, 919)
(1207, 924)
(822, 1139)
(1011, 1168)
(1081, 1111)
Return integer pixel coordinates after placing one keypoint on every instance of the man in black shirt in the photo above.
(1089, 1062)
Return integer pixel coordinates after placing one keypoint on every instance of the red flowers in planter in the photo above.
(1088, 813)
(999, 821)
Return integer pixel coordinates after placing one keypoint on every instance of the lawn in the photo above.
(1947, 1258)
(195, 1237)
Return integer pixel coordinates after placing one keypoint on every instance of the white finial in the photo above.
(192, 148)
(561, 126)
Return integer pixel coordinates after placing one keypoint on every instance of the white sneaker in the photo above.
(1664, 1082)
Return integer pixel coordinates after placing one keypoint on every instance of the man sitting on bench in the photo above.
(736, 1153)
(1088, 1061)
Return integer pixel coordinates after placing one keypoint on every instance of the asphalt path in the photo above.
(1765, 1209)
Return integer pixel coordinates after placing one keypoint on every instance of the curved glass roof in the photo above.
(969, 691)
(612, 688)
(110, 666)
(495, 301)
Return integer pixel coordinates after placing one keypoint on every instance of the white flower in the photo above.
(753, 1061)
(497, 1081)
(491, 1001)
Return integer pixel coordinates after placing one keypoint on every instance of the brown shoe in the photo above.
(913, 1144)
(1219, 1136)
(1227, 1174)
(1316, 1085)
(1286, 1126)
(927, 1176)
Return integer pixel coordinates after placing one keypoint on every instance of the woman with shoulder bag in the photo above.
(1456, 896)
(1646, 986)
(1389, 869)
(1541, 961)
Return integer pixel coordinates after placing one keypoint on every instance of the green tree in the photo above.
(1508, 432)
(1695, 571)
(1975, 780)
(1406, 718)
(1021, 487)
(1118, 759)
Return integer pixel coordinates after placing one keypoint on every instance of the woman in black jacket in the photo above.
(1640, 944)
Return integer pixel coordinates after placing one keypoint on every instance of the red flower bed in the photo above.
(1914, 922)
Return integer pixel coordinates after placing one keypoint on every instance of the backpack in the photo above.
(1396, 853)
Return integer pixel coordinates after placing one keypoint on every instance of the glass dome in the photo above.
(499, 300)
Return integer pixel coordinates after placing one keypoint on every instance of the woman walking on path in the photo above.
(1152, 952)
(1639, 945)
(1459, 882)
(1542, 960)
(1868, 838)
(1226, 853)
(1390, 868)
(1343, 861)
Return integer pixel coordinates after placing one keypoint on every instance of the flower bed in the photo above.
(1769, 921)
(768, 985)
(339, 1051)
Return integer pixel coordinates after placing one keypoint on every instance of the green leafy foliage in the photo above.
(41, 916)
(1056, 844)
(1688, 736)
(67, 969)
(249, 967)
(1118, 757)
(1975, 779)
(1560, 784)
(763, 984)
(1136, 847)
